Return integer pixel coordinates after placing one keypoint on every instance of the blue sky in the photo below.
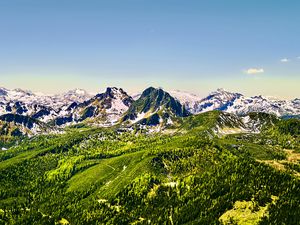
(191, 45)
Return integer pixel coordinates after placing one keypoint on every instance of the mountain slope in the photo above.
(91, 175)
(38, 106)
(155, 106)
(218, 100)
(239, 104)
(152, 107)
(103, 109)
(187, 99)
(76, 95)
(222, 123)
(17, 125)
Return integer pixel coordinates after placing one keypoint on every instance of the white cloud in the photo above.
(284, 60)
(254, 71)
(298, 57)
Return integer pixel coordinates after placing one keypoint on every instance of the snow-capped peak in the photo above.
(239, 104)
(221, 90)
(114, 92)
(108, 107)
(3, 91)
(75, 95)
(185, 96)
(21, 92)
(77, 91)
(223, 94)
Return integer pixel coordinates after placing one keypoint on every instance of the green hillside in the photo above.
(191, 176)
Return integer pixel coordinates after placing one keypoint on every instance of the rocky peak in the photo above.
(20, 91)
(223, 94)
(116, 94)
(3, 91)
(155, 106)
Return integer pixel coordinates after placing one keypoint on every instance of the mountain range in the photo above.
(22, 110)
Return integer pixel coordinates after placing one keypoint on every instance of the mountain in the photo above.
(187, 99)
(239, 104)
(295, 104)
(26, 103)
(217, 100)
(222, 123)
(154, 107)
(3, 91)
(214, 167)
(18, 125)
(103, 109)
(75, 95)
(39, 106)
(55, 101)
(258, 121)
(214, 122)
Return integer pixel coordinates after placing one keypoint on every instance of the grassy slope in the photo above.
(111, 175)
(93, 164)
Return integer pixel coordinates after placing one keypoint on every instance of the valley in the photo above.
(156, 164)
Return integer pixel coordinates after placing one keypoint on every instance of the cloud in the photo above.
(254, 71)
(298, 57)
(284, 60)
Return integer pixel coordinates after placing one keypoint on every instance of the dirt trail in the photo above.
(293, 157)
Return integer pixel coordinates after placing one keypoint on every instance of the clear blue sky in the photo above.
(192, 45)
